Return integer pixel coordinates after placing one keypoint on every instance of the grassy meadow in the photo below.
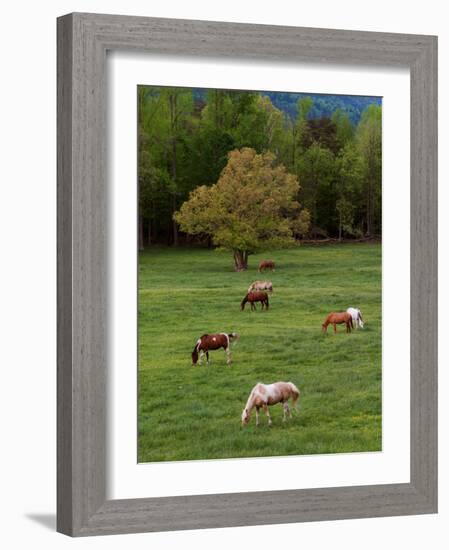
(193, 412)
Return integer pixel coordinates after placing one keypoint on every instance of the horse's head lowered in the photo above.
(195, 356)
(245, 417)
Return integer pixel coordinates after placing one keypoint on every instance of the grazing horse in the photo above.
(253, 297)
(261, 285)
(211, 342)
(264, 395)
(266, 264)
(337, 318)
(356, 315)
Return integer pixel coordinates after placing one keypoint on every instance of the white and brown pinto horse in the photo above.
(356, 315)
(209, 342)
(263, 396)
(261, 285)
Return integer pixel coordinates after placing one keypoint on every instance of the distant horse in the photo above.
(261, 285)
(337, 318)
(253, 297)
(356, 315)
(266, 264)
(265, 395)
(211, 342)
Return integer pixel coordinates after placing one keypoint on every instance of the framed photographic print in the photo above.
(246, 274)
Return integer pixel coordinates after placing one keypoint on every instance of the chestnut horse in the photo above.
(265, 395)
(338, 318)
(253, 297)
(261, 285)
(211, 342)
(266, 264)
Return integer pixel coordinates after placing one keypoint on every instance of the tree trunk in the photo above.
(149, 236)
(175, 233)
(369, 209)
(140, 233)
(174, 224)
(240, 260)
(173, 123)
(339, 228)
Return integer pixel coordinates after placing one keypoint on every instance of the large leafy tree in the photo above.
(344, 127)
(253, 206)
(349, 190)
(316, 170)
(369, 144)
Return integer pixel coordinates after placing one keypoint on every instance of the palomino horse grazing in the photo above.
(261, 285)
(253, 297)
(264, 395)
(211, 342)
(266, 264)
(356, 315)
(337, 318)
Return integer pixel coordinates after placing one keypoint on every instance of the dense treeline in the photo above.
(185, 138)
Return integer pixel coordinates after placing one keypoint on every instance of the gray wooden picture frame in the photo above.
(83, 40)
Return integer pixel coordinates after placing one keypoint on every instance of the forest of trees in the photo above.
(185, 138)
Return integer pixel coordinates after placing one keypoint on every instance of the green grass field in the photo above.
(188, 413)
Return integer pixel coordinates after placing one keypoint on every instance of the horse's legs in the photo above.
(267, 412)
(257, 416)
(335, 327)
(286, 411)
(294, 404)
(228, 355)
(200, 361)
(207, 356)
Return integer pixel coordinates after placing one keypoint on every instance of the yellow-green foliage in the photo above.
(252, 207)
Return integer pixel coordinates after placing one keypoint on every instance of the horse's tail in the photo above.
(245, 299)
(295, 394)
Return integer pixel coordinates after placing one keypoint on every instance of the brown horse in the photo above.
(338, 318)
(211, 342)
(266, 264)
(253, 297)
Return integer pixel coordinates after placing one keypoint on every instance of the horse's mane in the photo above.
(251, 395)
